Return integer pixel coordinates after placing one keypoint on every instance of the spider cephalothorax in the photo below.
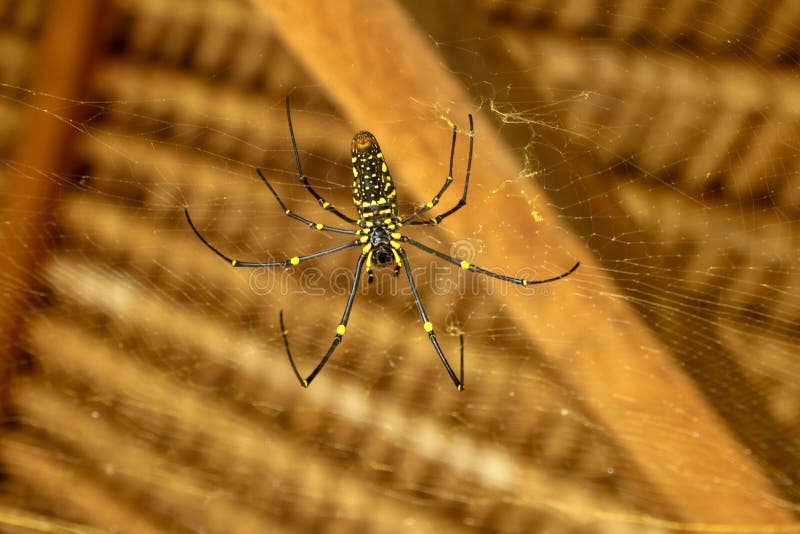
(378, 235)
(381, 249)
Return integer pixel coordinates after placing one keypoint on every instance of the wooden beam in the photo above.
(386, 76)
(69, 39)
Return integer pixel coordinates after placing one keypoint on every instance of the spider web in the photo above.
(157, 374)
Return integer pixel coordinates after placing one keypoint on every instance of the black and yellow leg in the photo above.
(303, 180)
(398, 261)
(368, 265)
(307, 222)
(289, 262)
(340, 330)
(428, 327)
(467, 266)
(462, 202)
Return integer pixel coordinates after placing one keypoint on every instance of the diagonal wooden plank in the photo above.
(373, 60)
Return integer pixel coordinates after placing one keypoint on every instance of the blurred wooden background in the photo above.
(145, 387)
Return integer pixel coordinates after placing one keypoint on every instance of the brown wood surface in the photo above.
(385, 75)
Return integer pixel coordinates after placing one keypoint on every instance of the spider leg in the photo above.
(281, 263)
(447, 182)
(303, 180)
(463, 200)
(475, 269)
(340, 330)
(309, 223)
(428, 327)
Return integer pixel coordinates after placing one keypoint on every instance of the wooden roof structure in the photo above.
(145, 383)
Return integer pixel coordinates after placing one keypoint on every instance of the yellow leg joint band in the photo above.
(341, 329)
(428, 326)
(465, 265)
(397, 260)
(294, 261)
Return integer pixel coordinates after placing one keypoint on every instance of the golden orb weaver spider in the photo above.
(378, 222)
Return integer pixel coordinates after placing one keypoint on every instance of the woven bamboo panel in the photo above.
(153, 392)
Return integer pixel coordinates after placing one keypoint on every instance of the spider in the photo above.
(382, 245)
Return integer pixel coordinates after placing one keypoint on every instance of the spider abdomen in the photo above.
(373, 190)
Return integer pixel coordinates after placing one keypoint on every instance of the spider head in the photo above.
(363, 143)
(382, 253)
